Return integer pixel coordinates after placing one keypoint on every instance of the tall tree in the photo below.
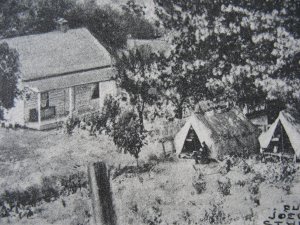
(230, 50)
(9, 75)
(111, 27)
(138, 76)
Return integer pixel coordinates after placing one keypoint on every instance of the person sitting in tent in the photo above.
(204, 152)
(196, 156)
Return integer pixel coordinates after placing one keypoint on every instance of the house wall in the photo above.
(57, 98)
(83, 102)
(83, 96)
(30, 103)
(107, 88)
(60, 99)
(83, 99)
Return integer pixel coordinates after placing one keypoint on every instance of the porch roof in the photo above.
(72, 79)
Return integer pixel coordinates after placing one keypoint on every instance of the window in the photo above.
(95, 93)
(45, 100)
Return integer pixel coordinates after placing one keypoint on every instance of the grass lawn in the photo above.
(162, 194)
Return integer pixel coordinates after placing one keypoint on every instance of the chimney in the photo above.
(62, 25)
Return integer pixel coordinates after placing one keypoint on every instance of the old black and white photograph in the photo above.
(149, 112)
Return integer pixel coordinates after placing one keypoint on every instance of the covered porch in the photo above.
(50, 109)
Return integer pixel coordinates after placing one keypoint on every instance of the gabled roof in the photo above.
(57, 52)
(290, 121)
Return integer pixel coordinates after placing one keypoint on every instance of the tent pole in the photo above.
(282, 147)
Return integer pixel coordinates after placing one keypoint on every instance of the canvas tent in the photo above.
(224, 133)
(283, 136)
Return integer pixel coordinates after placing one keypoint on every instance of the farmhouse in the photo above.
(223, 133)
(64, 72)
(282, 138)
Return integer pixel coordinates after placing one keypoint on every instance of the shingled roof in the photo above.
(58, 53)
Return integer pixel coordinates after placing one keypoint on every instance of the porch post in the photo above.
(39, 108)
(71, 100)
(100, 97)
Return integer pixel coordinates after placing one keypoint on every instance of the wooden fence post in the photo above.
(103, 208)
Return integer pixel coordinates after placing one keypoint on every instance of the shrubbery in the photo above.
(278, 173)
(70, 124)
(215, 215)
(152, 216)
(96, 123)
(224, 185)
(21, 202)
(199, 183)
(254, 188)
(246, 167)
(241, 183)
(287, 189)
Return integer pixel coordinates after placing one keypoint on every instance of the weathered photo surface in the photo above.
(149, 112)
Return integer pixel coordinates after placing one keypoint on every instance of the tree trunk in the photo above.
(141, 117)
(179, 111)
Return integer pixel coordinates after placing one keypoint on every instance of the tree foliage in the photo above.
(137, 25)
(9, 68)
(228, 50)
(138, 75)
(127, 134)
(111, 27)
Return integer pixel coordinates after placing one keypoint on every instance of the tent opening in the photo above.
(280, 142)
(192, 142)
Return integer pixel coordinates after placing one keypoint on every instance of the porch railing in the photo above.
(48, 113)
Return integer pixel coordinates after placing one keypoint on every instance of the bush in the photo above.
(241, 183)
(287, 172)
(226, 165)
(50, 190)
(224, 185)
(280, 172)
(152, 216)
(254, 188)
(200, 186)
(258, 178)
(287, 189)
(72, 183)
(198, 181)
(70, 124)
(246, 168)
(215, 215)
(106, 120)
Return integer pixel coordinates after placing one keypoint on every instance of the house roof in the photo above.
(290, 121)
(214, 127)
(58, 52)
